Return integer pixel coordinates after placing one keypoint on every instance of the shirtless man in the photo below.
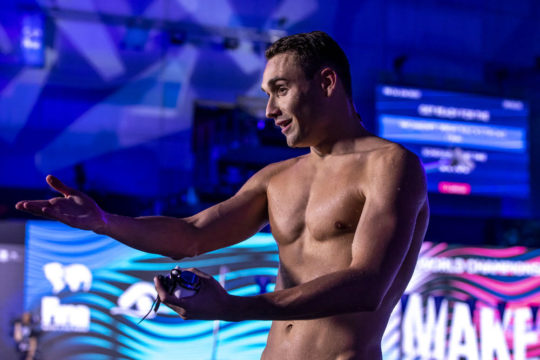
(348, 218)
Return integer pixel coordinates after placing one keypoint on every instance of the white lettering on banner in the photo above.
(476, 156)
(454, 132)
(522, 335)
(424, 332)
(401, 92)
(58, 317)
(424, 339)
(457, 265)
(512, 105)
(450, 112)
(492, 341)
(463, 340)
(68, 317)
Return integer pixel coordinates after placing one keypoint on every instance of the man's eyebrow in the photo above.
(271, 83)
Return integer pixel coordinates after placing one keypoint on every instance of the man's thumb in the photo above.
(59, 186)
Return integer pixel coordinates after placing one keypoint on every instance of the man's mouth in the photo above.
(284, 125)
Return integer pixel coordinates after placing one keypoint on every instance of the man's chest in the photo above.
(321, 205)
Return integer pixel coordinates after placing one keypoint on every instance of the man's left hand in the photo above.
(211, 302)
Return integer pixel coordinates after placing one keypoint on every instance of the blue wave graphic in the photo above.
(114, 269)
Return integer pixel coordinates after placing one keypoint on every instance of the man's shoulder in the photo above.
(385, 151)
(263, 176)
(273, 169)
(389, 159)
(376, 151)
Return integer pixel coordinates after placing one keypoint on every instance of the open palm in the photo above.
(74, 208)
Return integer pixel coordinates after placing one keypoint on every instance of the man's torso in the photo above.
(314, 206)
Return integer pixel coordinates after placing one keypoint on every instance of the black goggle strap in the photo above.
(155, 307)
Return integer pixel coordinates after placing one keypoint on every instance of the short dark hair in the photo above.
(313, 51)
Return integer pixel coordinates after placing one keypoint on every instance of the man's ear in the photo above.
(328, 80)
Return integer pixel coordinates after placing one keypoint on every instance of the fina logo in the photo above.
(136, 300)
(76, 276)
(58, 317)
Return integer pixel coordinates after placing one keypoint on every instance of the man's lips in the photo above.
(284, 124)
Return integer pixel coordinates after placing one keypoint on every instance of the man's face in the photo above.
(292, 99)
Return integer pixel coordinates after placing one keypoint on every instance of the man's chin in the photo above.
(292, 143)
(295, 141)
(296, 144)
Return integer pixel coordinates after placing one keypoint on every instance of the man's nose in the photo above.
(272, 111)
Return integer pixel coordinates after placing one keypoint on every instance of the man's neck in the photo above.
(341, 135)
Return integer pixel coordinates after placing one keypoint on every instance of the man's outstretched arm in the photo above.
(219, 226)
(395, 199)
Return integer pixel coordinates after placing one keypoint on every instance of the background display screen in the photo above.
(468, 143)
(89, 292)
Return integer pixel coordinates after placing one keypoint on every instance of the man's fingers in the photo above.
(32, 205)
(20, 205)
(59, 186)
(44, 208)
(35, 207)
(199, 273)
(162, 293)
(166, 298)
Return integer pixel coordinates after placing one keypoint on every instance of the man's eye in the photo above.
(282, 90)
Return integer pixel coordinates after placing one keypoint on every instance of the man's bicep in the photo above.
(382, 238)
(388, 221)
(234, 219)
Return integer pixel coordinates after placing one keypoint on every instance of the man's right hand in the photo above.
(74, 208)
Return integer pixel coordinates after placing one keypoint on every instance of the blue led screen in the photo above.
(90, 291)
(467, 142)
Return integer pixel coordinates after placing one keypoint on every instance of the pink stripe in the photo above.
(479, 293)
(514, 288)
(532, 353)
(478, 251)
(433, 250)
(492, 300)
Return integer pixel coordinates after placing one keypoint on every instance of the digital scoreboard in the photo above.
(469, 144)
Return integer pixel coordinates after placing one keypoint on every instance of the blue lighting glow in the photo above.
(32, 40)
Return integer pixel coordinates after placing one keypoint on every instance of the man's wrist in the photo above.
(250, 308)
(103, 227)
